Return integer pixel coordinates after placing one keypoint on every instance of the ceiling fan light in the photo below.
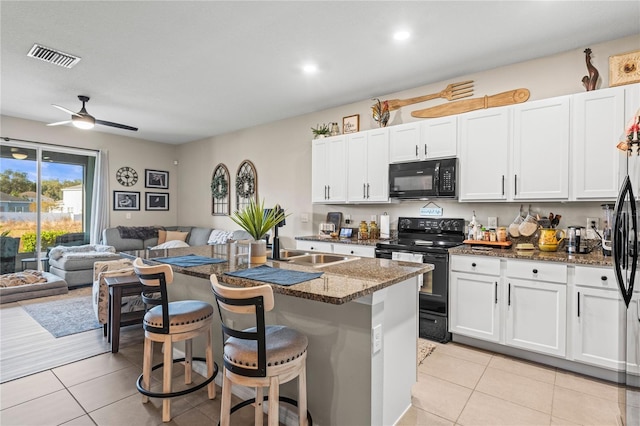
(83, 122)
(19, 155)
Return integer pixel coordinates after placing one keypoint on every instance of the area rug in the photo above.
(425, 348)
(64, 317)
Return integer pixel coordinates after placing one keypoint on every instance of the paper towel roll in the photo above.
(384, 226)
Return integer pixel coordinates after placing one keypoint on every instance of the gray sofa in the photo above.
(198, 236)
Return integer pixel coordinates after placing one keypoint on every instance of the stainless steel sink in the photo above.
(321, 259)
(287, 254)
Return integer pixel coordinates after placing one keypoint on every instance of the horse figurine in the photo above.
(590, 81)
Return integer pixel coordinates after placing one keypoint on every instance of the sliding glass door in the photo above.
(45, 198)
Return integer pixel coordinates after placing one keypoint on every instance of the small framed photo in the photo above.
(126, 200)
(156, 179)
(351, 124)
(156, 201)
(624, 68)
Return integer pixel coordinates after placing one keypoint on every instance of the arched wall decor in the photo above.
(246, 184)
(220, 191)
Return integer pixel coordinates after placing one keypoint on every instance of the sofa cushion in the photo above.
(176, 236)
(111, 236)
(198, 236)
(162, 236)
(81, 261)
(219, 236)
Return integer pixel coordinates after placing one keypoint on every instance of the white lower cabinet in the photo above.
(536, 316)
(338, 248)
(596, 314)
(633, 329)
(315, 246)
(474, 294)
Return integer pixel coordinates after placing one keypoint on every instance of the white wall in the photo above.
(123, 151)
(281, 150)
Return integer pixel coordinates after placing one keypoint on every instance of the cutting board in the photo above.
(504, 244)
(335, 218)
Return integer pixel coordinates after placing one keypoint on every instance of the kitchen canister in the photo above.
(384, 225)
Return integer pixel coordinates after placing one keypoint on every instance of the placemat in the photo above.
(275, 275)
(188, 260)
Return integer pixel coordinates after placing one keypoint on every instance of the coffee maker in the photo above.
(607, 228)
(576, 240)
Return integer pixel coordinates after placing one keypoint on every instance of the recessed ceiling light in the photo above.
(401, 35)
(310, 68)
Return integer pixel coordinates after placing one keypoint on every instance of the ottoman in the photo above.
(30, 284)
(75, 264)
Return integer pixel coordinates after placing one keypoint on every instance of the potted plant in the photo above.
(320, 131)
(258, 222)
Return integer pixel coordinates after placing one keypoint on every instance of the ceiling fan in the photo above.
(83, 120)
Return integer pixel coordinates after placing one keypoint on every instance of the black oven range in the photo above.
(427, 240)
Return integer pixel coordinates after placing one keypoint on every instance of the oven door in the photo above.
(435, 291)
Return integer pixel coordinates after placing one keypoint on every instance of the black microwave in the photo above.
(423, 179)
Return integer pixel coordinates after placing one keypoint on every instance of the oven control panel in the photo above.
(419, 224)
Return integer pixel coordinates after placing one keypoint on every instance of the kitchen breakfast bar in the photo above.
(360, 316)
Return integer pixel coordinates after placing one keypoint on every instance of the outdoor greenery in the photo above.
(47, 239)
(15, 183)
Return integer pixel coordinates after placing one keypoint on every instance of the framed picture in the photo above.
(126, 200)
(156, 201)
(624, 68)
(351, 124)
(156, 179)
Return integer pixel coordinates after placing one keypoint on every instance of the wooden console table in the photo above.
(119, 287)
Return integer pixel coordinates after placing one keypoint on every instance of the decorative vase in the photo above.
(258, 252)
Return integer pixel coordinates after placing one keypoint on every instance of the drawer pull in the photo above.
(578, 304)
(351, 252)
(496, 293)
(473, 264)
(603, 278)
(535, 271)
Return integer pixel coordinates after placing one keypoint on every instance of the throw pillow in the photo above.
(176, 236)
(170, 244)
(219, 236)
(162, 236)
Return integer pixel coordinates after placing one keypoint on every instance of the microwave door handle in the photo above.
(436, 178)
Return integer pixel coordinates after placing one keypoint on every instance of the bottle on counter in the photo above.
(374, 232)
(471, 231)
(363, 231)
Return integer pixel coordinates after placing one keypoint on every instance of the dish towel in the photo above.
(275, 275)
(188, 260)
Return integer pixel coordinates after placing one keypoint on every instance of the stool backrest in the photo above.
(249, 301)
(151, 277)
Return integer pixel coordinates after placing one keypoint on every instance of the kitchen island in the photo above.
(361, 319)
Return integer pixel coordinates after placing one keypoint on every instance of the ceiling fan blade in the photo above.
(118, 125)
(66, 110)
(59, 123)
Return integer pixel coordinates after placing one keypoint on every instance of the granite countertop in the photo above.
(342, 240)
(595, 258)
(345, 281)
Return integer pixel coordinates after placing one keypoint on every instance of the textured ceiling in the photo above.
(183, 71)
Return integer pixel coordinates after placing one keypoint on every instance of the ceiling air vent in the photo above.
(53, 56)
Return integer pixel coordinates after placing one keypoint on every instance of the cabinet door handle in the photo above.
(535, 271)
(367, 191)
(416, 151)
(603, 278)
(473, 264)
(515, 184)
(509, 296)
(425, 149)
(578, 304)
(503, 185)
(496, 293)
(351, 251)
(328, 192)
(364, 190)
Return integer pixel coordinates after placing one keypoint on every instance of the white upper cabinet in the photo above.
(540, 165)
(484, 154)
(368, 166)
(439, 137)
(404, 143)
(328, 170)
(598, 123)
(424, 140)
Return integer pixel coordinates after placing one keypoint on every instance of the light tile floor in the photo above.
(456, 385)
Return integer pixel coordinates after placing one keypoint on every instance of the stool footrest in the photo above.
(266, 398)
(177, 393)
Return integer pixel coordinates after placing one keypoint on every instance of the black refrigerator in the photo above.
(624, 249)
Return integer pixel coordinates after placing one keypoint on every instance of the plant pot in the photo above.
(258, 252)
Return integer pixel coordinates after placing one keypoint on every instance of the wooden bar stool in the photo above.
(260, 356)
(169, 322)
